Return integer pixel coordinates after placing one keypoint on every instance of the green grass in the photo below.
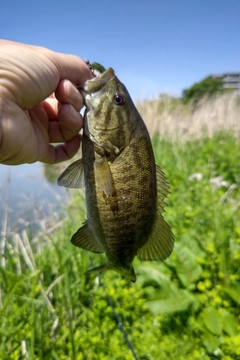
(184, 308)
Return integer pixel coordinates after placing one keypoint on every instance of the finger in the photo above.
(68, 122)
(71, 122)
(70, 67)
(68, 127)
(51, 106)
(66, 92)
(62, 152)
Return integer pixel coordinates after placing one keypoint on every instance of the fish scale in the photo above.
(121, 221)
(129, 198)
(125, 190)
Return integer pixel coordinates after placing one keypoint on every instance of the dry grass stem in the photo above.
(24, 349)
(28, 248)
(54, 283)
(173, 120)
(16, 252)
(25, 248)
(3, 235)
(24, 253)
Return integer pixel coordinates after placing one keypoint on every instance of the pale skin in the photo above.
(39, 104)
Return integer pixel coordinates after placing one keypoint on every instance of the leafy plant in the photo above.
(207, 87)
(184, 308)
(202, 281)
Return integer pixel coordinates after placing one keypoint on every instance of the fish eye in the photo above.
(119, 99)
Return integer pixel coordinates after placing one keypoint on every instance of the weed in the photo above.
(184, 308)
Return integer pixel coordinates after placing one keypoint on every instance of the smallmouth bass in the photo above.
(125, 190)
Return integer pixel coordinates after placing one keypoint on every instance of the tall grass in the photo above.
(171, 119)
(184, 308)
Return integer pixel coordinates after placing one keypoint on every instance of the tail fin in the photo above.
(127, 272)
(100, 268)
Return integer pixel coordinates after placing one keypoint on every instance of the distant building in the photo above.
(230, 80)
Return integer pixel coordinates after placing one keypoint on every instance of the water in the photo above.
(27, 199)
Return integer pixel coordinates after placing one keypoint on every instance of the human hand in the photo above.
(39, 104)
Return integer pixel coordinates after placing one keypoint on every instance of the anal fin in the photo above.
(83, 239)
(160, 243)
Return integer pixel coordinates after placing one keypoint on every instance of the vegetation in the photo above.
(207, 87)
(179, 123)
(184, 308)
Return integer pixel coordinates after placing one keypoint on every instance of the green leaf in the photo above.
(212, 320)
(210, 341)
(234, 292)
(153, 273)
(195, 248)
(229, 323)
(171, 299)
(187, 267)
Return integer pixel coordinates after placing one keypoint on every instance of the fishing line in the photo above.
(120, 324)
(117, 318)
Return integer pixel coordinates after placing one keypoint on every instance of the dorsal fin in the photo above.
(162, 187)
(161, 240)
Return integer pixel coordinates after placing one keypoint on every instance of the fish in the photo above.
(125, 189)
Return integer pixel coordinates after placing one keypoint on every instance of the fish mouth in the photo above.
(97, 84)
(92, 89)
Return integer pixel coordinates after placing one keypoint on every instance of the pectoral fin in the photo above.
(73, 176)
(83, 239)
(161, 240)
(103, 175)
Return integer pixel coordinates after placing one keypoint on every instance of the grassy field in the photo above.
(187, 307)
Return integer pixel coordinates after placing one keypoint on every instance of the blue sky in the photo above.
(154, 46)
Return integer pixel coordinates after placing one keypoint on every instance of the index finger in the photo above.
(70, 67)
